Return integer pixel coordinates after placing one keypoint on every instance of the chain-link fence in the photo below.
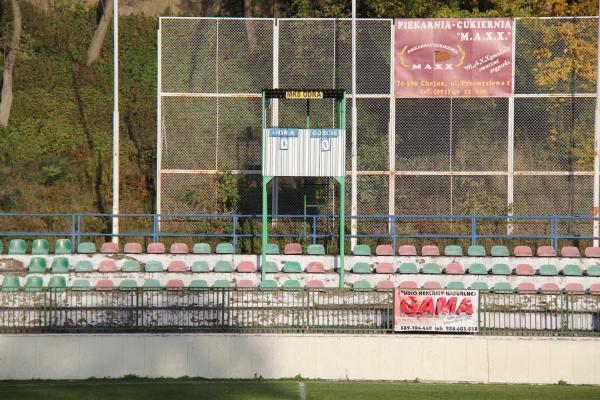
(529, 154)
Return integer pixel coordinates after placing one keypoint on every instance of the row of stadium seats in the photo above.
(36, 283)
(64, 246)
(61, 265)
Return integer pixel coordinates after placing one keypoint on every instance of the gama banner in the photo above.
(453, 57)
(437, 310)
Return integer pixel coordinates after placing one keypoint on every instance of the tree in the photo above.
(6, 97)
(93, 53)
(250, 30)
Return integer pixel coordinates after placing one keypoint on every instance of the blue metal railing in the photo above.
(394, 227)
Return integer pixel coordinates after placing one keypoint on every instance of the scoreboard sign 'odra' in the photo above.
(438, 310)
(304, 152)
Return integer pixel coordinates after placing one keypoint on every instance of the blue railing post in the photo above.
(155, 227)
(393, 232)
(314, 230)
(72, 231)
(473, 231)
(554, 232)
(234, 234)
(78, 229)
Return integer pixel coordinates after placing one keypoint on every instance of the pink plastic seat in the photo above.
(384, 268)
(595, 288)
(574, 288)
(104, 284)
(155, 248)
(315, 283)
(455, 269)
(430, 250)
(550, 287)
(177, 266)
(109, 248)
(524, 270)
(570, 251)
(408, 285)
(132, 248)
(245, 284)
(523, 251)
(384, 285)
(432, 285)
(107, 266)
(315, 267)
(407, 250)
(546, 251)
(592, 252)
(525, 287)
(384, 250)
(246, 266)
(292, 249)
(178, 248)
(174, 284)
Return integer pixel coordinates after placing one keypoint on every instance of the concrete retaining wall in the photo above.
(368, 357)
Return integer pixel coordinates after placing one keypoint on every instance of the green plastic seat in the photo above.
(224, 248)
(291, 284)
(501, 269)
(432, 268)
(268, 284)
(17, 247)
(34, 284)
(10, 283)
(593, 270)
(478, 286)
(84, 266)
(154, 266)
(502, 287)
(272, 248)
(548, 270)
(37, 265)
(572, 270)
(476, 251)
(201, 248)
(453, 250)
(200, 266)
(151, 284)
(315, 250)
(63, 246)
(361, 250)
(131, 266)
(408, 268)
(128, 284)
(292, 267)
(361, 268)
(222, 284)
(499, 251)
(223, 266)
(455, 285)
(81, 284)
(271, 267)
(477, 269)
(362, 285)
(86, 248)
(60, 265)
(58, 283)
(198, 284)
(40, 247)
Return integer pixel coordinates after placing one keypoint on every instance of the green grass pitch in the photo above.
(147, 389)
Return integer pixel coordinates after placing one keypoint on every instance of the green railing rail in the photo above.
(293, 311)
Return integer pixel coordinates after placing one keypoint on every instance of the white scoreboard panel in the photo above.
(304, 152)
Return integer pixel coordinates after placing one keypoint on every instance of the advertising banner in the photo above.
(438, 310)
(453, 57)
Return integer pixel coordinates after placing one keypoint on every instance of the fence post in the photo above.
(554, 232)
(473, 231)
(394, 224)
(78, 229)
(72, 231)
(234, 228)
(155, 227)
(314, 234)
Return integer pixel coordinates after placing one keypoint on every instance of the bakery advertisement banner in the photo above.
(453, 57)
(437, 310)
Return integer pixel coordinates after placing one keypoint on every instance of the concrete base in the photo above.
(486, 359)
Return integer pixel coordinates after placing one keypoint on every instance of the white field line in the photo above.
(301, 391)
